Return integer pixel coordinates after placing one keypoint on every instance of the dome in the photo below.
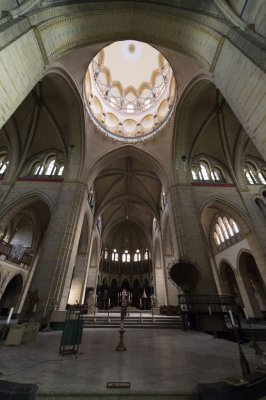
(129, 91)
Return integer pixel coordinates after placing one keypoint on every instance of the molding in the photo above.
(207, 184)
(41, 45)
(26, 179)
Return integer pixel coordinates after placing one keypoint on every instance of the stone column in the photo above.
(172, 290)
(159, 273)
(256, 240)
(55, 267)
(191, 243)
(244, 295)
(78, 278)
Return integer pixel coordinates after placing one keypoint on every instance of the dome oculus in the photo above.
(129, 91)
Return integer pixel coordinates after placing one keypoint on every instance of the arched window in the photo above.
(194, 174)
(105, 254)
(254, 174)
(228, 227)
(216, 175)
(234, 225)
(126, 256)
(204, 171)
(61, 170)
(137, 255)
(146, 255)
(222, 226)
(48, 167)
(51, 168)
(217, 239)
(224, 229)
(261, 178)
(3, 166)
(250, 178)
(207, 170)
(219, 233)
(114, 255)
(3, 163)
(38, 169)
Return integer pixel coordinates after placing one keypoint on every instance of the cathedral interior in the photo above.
(133, 160)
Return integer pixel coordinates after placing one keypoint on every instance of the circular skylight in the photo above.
(129, 91)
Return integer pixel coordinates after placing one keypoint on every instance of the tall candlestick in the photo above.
(10, 315)
(231, 317)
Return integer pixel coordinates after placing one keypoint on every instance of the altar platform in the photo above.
(159, 364)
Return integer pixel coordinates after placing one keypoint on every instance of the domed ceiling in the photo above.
(129, 91)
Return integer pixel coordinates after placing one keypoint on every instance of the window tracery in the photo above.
(204, 170)
(255, 175)
(48, 167)
(137, 256)
(114, 255)
(3, 163)
(126, 256)
(224, 230)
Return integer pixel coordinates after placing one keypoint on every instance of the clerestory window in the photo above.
(126, 256)
(254, 174)
(3, 163)
(114, 255)
(48, 167)
(206, 171)
(137, 256)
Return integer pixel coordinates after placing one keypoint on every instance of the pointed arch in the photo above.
(21, 202)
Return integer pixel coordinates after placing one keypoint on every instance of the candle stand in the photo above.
(95, 305)
(108, 314)
(121, 346)
(140, 311)
(124, 304)
(152, 312)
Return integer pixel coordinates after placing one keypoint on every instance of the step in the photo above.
(133, 324)
(139, 326)
(117, 395)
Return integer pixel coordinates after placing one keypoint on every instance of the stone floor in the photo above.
(159, 361)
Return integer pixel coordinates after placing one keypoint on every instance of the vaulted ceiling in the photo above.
(127, 198)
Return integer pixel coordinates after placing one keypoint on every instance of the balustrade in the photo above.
(21, 257)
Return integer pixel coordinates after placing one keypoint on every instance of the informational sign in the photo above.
(118, 385)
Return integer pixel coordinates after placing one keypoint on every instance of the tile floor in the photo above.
(159, 361)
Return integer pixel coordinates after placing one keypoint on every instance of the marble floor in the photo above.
(156, 360)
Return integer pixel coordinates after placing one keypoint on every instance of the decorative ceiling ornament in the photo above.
(131, 48)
